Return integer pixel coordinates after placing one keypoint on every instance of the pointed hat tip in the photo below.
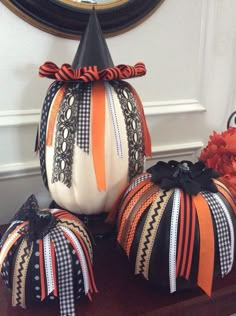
(93, 50)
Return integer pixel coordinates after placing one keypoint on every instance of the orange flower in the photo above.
(220, 154)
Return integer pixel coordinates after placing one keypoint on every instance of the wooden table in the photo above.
(122, 294)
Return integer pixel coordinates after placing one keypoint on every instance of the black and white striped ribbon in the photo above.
(112, 108)
(48, 264)
(173, 240)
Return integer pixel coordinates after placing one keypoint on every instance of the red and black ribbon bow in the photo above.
(91, 73)
(192, 178)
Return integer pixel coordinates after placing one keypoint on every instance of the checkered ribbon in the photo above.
(65, 273)
(43, 126)
(83, 117)
(222, 232)
(136, 181)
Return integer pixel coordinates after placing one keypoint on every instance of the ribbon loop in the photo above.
(192, 178)
(91, 73)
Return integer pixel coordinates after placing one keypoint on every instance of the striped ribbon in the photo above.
(48, 264)
(112, 108)
(91, 73)
(173, 240)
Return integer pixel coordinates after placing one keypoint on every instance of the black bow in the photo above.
(40, 222)
(192, 178)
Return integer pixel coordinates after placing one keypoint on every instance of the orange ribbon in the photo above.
(207, 244)
(98, 133)
(53, 115)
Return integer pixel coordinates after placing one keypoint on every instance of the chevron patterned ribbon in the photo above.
(20, 271)
(149, 232)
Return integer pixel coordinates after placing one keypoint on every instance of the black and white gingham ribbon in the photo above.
(222, 232)
(64, 272)
(138, 180)
(83, 116)
(43, 127)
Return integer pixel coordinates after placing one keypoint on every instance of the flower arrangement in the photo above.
(220, 154)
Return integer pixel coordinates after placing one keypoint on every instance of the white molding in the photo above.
(31, 168)
(176, 150)
(32, 117)
(19, 117)
(172, 107)
(19, 170)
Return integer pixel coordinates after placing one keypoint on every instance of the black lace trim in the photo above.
(133, 123)
(65, 137)
(43, 127)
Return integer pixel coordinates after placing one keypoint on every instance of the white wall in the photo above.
(189, 50)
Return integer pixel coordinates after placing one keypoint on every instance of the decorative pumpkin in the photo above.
(47, 255)
(176, 224)
(93, 133)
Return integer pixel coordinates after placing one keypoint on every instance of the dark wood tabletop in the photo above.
(123, 294)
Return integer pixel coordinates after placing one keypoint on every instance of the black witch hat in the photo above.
(92, 60)
(93, 49)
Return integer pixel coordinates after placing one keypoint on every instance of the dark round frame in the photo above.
(68, 21)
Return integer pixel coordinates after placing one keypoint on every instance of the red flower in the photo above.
(220, 154)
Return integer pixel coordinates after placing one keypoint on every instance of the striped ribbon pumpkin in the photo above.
(55, 266)
(174, 239)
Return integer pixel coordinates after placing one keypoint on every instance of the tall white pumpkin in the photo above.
(93, 134)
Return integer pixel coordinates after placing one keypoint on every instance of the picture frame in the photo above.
(68, 18)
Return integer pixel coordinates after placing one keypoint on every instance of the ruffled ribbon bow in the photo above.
(39, 222)
(91, 73)
(192, 178)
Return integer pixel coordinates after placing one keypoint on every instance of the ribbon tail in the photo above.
(147, 138)
(207, 244)
(53, 115)
(36, 145)
(98, 133)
